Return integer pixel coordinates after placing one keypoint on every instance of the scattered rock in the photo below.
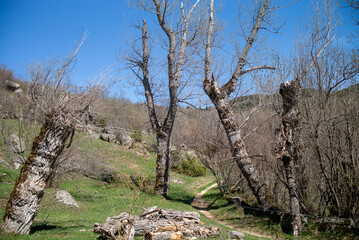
(93, 134)
(108, 137)
(155, 223)
(12, 86)
(125, 140)
(236, 235)
(177, 180)
(141, 150)
(18, 91)
(108, 130)
(66, 198)
(16, 144)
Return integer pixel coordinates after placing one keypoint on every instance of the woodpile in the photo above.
(155, 224)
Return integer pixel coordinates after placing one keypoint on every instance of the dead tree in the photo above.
(287, 148)
(175, 61)
(220, 98)
(63, 107)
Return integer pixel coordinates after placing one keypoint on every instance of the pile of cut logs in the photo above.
(155, 224)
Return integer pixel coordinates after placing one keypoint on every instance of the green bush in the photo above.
(137, 136)
(190, 167)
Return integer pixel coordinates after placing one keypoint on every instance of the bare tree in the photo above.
(288, 147)
(63, 107)
(220, 98)
(176, 57)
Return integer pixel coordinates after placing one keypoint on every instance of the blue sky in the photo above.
(38, 30)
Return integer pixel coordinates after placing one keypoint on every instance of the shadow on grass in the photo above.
(183, 198)
(47, 227)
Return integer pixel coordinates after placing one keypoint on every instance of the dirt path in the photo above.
(202, 206)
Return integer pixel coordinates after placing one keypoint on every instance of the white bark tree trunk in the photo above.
(287, 148)
(24, 202)
(220, 99)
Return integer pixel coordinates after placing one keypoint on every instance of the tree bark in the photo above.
(287, 147)
(24, 202)
(175, 65)
(239, 151)
(220, 99)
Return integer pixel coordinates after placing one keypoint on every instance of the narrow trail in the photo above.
(202, 206)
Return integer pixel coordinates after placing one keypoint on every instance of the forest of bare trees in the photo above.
(289, 146)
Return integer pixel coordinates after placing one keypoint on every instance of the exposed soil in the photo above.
(202, 206)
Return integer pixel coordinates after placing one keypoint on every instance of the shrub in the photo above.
(136, 135)
(190, 167)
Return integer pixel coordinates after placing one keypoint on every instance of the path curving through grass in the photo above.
(202, 206)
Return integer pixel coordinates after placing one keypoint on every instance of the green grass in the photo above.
(99, 200)
(248, 220)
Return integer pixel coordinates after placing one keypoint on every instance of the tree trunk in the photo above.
(287, 148)
(219, 97)
(239, 151)
(163, 163)
(24, 202)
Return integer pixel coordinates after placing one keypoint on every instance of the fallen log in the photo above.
(155, 223)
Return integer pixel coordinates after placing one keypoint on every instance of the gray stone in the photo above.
(18, 91)
(108, 130)
(141, 150)
(236, 235)
(12, 85)
(108, 137)
(93, 134)
(16, 144)
(177, 180)
(125, 140)
(65, 197)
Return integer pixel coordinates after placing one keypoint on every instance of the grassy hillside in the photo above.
(99, 199)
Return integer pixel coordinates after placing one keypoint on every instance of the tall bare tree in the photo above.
(220, 98)
(288, 147)
(62, 107)
(176, 57)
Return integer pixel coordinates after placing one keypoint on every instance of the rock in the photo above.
(12, 85)
(125, 140)
(66, 198)
(93, 134)
(236, 235)
(177, 180)
(108, 137)
(16, 144)
(142, 151)
(183, 154)
(18, 91)
(108, 130)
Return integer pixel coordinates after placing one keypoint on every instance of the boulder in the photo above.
(13, 86)
(108, 130)
(108, 137)
(65, 197)
(125, 140)
(16, 144)
(236, 235)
